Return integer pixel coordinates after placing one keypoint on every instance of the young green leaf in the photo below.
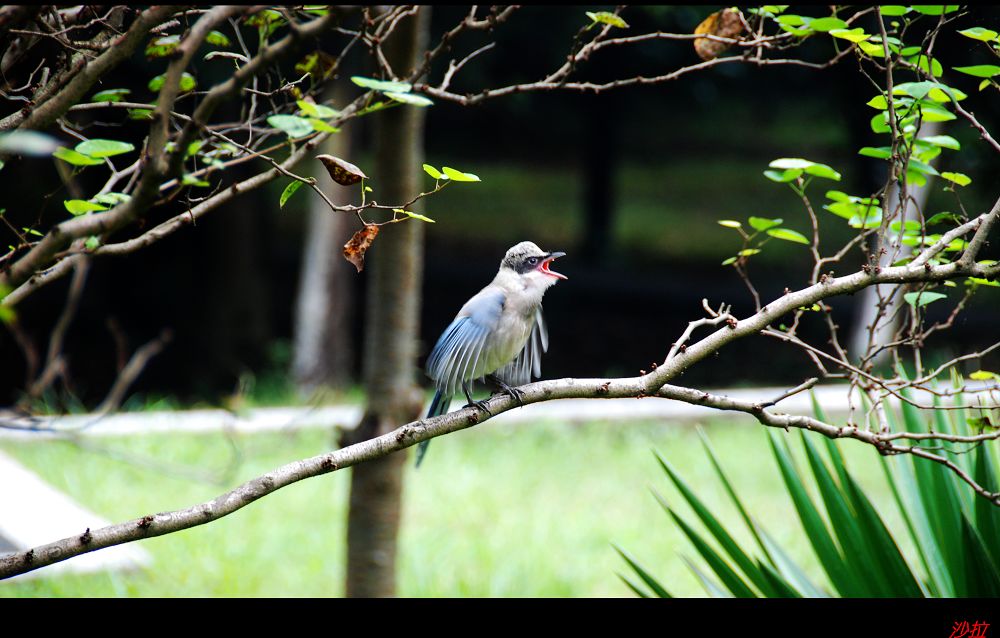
(288, 192)
(409, 213)
(729, 223)
(979, 33)
(827, 24)
(103, 148)
(433, 172)
(979, 70)
(957, 178)
(606, 17)
(919, 299)
(788, 235)
(763, 223)
(82, 207)
(216, 38)
(984, 375)
(459, 176)
(76, 159)
(110, 95)
(381, 85)
(187, 83)
(292, 125)
(851, 35)
(409, 98)
(191, 180)
(321, 126)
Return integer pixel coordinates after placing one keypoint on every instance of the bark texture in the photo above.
(395, 263)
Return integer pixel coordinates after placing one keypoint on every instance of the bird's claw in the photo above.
(479, 404)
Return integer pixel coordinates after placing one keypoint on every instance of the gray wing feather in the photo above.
(460, 347)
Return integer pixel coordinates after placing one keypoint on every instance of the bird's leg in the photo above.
(511, 391)
(472, 402)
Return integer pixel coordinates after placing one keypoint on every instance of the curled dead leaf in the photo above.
(725, 24)
(354, 250)
(342, 172)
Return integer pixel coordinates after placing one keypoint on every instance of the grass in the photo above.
(528, 510)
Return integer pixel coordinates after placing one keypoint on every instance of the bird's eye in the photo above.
(532, 260)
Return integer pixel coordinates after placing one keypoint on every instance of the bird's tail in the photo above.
(439, 405)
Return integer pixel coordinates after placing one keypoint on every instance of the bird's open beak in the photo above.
(548, 260)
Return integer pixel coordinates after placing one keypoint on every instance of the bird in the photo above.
(499, 334)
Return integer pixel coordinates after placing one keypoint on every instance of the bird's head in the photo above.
(529, 261)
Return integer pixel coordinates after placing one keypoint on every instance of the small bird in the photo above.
(498, 334)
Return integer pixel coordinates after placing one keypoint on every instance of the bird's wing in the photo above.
(528, 362)
(457, 352)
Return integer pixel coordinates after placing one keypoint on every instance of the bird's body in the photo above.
(498, 333)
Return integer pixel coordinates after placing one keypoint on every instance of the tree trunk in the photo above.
(323, 317)
(395, 265)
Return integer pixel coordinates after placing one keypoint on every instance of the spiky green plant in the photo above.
(956, 534)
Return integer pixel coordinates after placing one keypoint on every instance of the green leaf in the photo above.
(103, 148)
(288, 192)
(783, 176)
(957, 178)
(851, 35)
(217, 38)
(381, 85)
(872, 49)
(880, 123)
(935, 113)
(878, 102)
(187, 83)
(110, 95)
(979, 70)
(321, 126)
(76, 159)
(409, 213)
(459, 176)
(92, 242)
(651, 582)
(410, 98)
(111, 199)
(82, 207)
(606, 17)
(984, 375)
(729, 261)
(311, 109)
(191, 180)
(882, 152)
(894, 10)
(728, 223)
(433, 172)
(944, 141)
(748, 252)
(811, 168)
(292, 125)
(979, 33)
(140, 114)
(922, 298)
(788, 235)
(763, 223)
(827, 24)
(162, 46)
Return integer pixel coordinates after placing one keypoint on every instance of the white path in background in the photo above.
(33, 513)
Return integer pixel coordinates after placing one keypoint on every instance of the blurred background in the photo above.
(629, 183)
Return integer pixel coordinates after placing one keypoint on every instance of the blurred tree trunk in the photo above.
(395, 266)
(323, 347)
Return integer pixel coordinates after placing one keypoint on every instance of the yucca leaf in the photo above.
(857, 553)
(729, 578)
(782, 588)
(635, 588)
(732, 493)
(987, 515)
(714, 527)
(983, 577)
(713, 589)
(651, 582)
(819, 536)
(790, 570)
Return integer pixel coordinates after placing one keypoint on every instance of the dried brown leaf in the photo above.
(354, 250)
(342, 172)
(725, 24)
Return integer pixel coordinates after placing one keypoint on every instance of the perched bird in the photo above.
(498, 334)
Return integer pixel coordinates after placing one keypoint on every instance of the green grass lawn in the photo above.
(528, 510)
